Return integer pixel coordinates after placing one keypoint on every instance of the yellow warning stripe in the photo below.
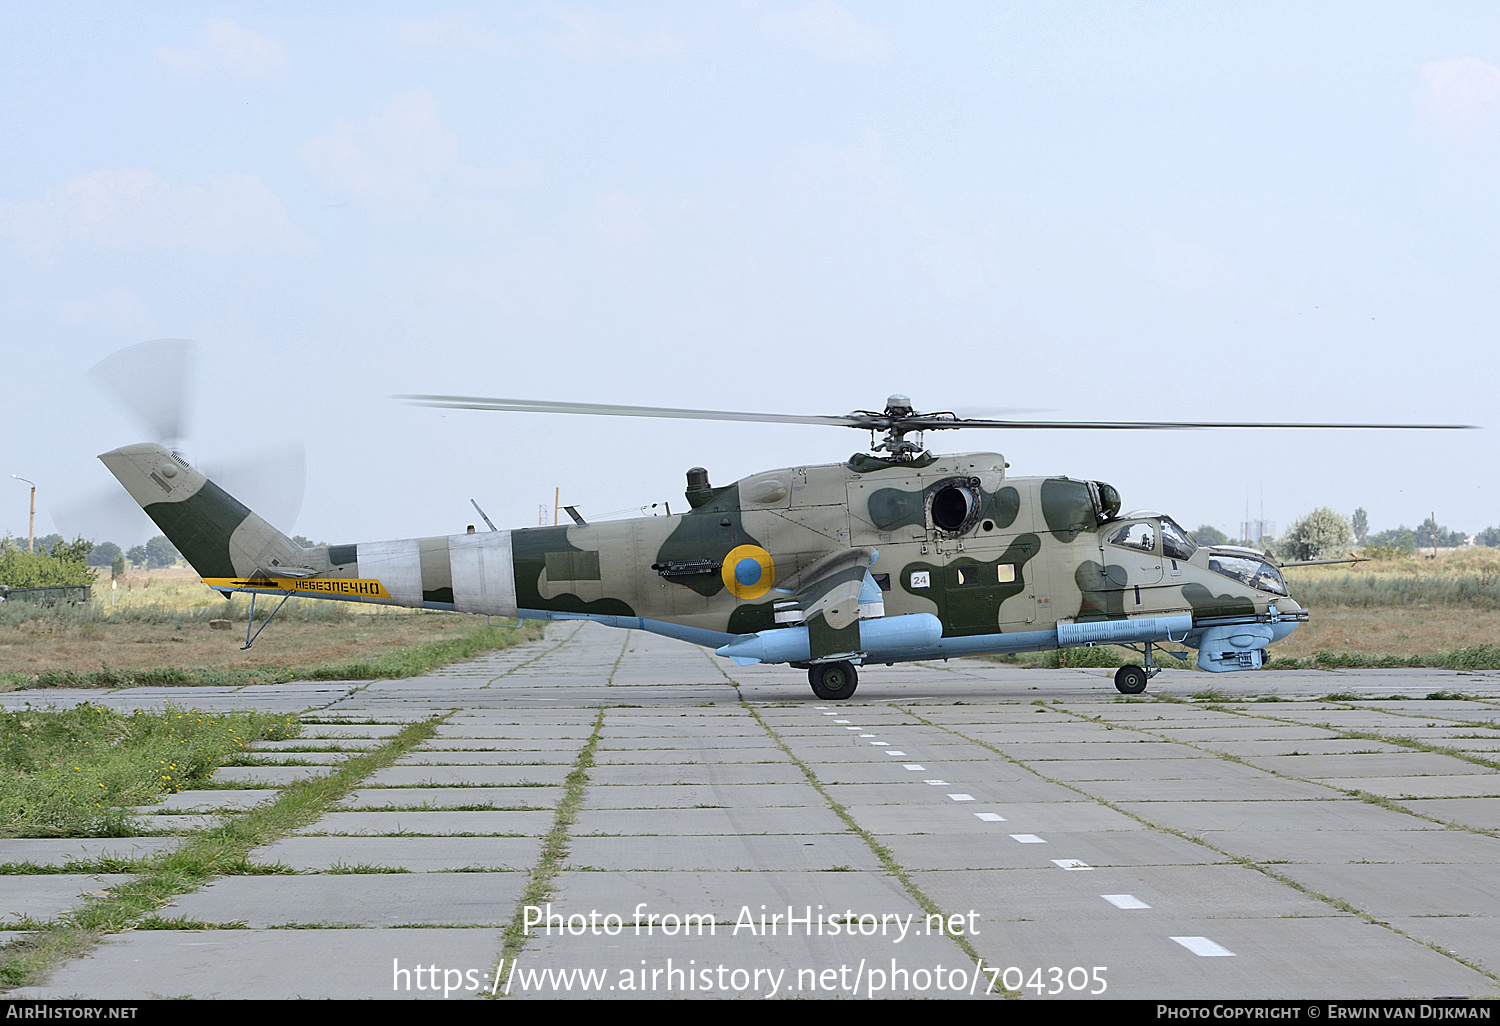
(351, 587)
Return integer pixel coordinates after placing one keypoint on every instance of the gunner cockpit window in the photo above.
(1247, 570)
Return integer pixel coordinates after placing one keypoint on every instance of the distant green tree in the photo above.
(137, 555)
(117, 566)
(1204, 534)
(1489, 536)
(1402, 538)
(77, 550)
(160, 553)
(44, 543)
(1361, 524)
(63, 565)
(1319, 535)
(104, 554)
(1429, 534)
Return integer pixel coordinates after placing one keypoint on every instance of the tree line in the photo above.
(1326, 534)
(58, 562)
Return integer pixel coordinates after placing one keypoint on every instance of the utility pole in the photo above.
(31, 527)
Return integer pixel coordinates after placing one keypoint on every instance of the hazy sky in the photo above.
(1099, 211)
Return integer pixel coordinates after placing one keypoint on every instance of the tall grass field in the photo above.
(159, 628)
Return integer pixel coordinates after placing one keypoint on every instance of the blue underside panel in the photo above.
(978, 644)
(945, 648)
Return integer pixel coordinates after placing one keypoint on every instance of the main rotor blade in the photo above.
(464, 402)
(925, 422)
(150, 380)
(871, 420)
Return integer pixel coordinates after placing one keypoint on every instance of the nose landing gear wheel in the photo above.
(835, 681)
(1130, 680)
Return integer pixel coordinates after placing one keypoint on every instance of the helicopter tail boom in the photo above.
(234, 549)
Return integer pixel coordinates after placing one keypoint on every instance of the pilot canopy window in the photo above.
(1135, 536)
(1004, 574)
(1175, 542)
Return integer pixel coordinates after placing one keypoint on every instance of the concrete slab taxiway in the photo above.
(665, 824)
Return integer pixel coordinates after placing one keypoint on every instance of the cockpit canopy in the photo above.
(1154, 533)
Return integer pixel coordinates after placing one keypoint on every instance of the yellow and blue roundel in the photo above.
(748, 571)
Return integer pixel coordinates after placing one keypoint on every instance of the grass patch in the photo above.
(419, 659)
(1474, 657)
(554, 845)
(184, 923)
(87, 867)
(1086, 657)
(221, 851)
(1468, 579)
(159, 635)
(78, 773)
(361, 868)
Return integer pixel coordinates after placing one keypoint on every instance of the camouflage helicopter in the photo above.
(896, 554)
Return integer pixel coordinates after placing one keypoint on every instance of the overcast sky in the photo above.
(1282, 212)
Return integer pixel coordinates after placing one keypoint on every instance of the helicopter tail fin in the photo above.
(216, 533)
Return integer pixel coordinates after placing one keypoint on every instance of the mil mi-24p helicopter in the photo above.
(896, 554)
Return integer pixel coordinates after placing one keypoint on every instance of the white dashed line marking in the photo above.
(882, 744)
(1203, 947)
(845, 721)
(911, 765)
(1071, 864)
(867, 735)
(1124, 901)
(990, 817)
(962, 797)
(1027, 838)
(936, 783)
(902, 754)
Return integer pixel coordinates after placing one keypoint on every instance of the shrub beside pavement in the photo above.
(81, 772)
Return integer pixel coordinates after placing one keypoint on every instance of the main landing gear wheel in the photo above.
(835, 681)
(1130, 680)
